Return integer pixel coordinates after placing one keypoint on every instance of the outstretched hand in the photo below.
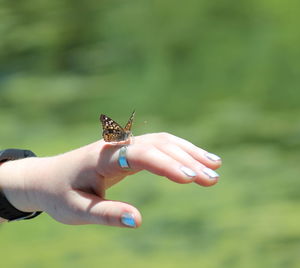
(71, 187)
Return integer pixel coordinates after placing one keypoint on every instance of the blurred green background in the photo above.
(222, 74)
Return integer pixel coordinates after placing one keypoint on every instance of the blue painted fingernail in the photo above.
(188, 172)
(210, 173)
(212, 157)
(128, 220)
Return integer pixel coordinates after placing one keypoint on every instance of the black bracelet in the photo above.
(7, 210)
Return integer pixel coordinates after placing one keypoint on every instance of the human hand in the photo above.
(71, 187)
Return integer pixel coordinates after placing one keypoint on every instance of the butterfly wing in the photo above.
(128, 126)
(112, 131)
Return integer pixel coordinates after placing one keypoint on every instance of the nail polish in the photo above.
(210, 173)
(212, 157)
(188, 172)
(128, 220)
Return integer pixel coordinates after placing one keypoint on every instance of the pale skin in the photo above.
(71, 187)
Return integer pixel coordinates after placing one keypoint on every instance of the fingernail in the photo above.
(212, 157)
(188, 172)
(210, 173)
(128, 220)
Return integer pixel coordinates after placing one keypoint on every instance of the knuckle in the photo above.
(148, 150)
(145, 148)
(164, 136)
(105, 218)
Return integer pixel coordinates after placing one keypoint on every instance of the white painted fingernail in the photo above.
(212, 157)
(128, 220)
(188, 172)
(210, 173)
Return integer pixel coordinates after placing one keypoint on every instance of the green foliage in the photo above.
(224, 75)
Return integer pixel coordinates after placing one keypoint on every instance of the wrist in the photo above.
(17, 183)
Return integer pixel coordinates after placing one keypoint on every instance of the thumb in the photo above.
(87, 208)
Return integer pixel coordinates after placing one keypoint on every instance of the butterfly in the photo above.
(113, 132)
